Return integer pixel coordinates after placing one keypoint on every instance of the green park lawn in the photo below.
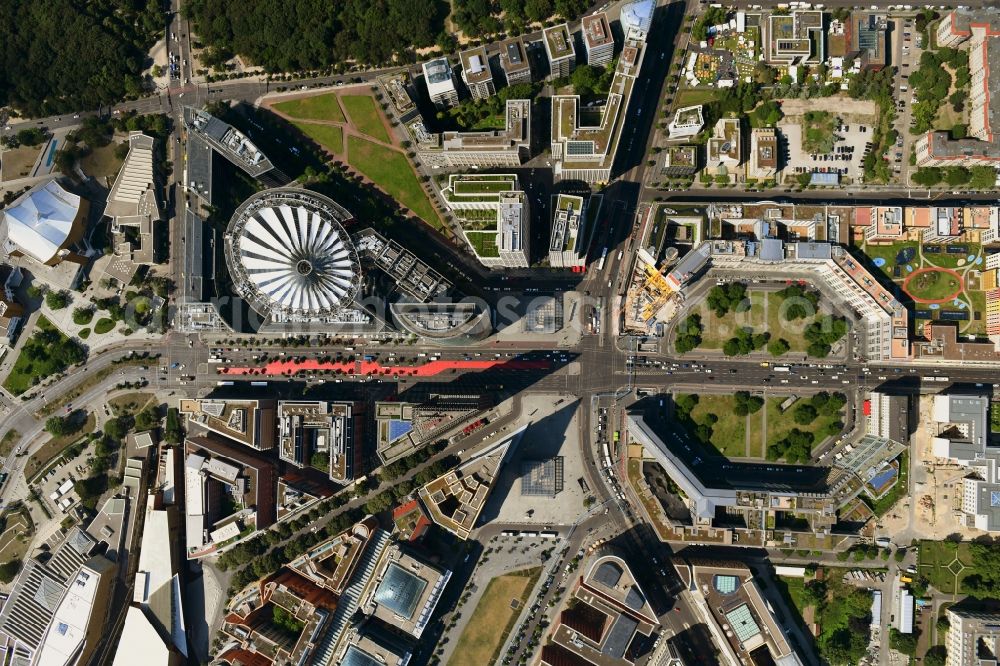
(391, 172)
(365, 116)
(729, 432)
(764, 315)
(318, 107)
(485, 244)
(717, 330)
(889, 252)
(27, 371)
(934, 558)
(755, 434)
(493, 618)
(101, 162)
(781, 423)
(330, 137)
(692, 97)
(945, 259)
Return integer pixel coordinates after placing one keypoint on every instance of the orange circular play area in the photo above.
(922, 274)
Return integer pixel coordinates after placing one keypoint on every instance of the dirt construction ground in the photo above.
(936, 489)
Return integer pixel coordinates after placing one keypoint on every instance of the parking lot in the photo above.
(846, 159)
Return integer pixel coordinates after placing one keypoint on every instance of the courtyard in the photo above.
(940, 279)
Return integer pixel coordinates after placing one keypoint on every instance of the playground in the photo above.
(941, 280)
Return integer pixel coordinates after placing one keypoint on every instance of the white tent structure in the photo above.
(40, 221)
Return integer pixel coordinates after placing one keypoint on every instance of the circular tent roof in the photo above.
(289, 255)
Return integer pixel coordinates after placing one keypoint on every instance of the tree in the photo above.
(147, 419)
(57, 300)
(804, 414)
(60, 426)
(688, 334)
(712, 16)
(936, 655)
(723, 298)
(816, 591)
(588, 80)
(767, 114)
(927, 176)
(115, 428)
(778, 347)
(955, 176)
(746, 403)
(83, 315)
(982, 177)
(905, 643)
(9, 570)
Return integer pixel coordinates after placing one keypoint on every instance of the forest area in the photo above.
(59, 56)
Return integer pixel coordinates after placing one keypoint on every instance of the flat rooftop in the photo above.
(558, 42)
(596, 30)
(476, 66)
(513, 57)
(406, 591)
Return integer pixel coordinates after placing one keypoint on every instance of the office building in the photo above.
(514, 61)
(571, 231)
(727, 488)
(140, 636)
(586, 151)
(978, 31)
(440, 83)
(493, 214)
(370, 649)
(886, 320)
(476, 73)
(883, 224)
(455, 499)
(559, 50)
(398, 87)
(232, 144)
(973, 636)
(282, 618)
(57, 609)
(158, 589)
(227, 489)
(866, 39)
(686, 123)
(637, 18)
(249, 422)
(678, 161)
(605, 618)
(331, 564)
(888, 416)
(725, 149)
(324, 435)
(404, 591)
(403, 427)
(133, 206)
(962, 427)
(598, 42)
(981, 492)
(795, 38)
(480, 149)
(764, 151)
(743, 627)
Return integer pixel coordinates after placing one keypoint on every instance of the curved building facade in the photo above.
(290, 257)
